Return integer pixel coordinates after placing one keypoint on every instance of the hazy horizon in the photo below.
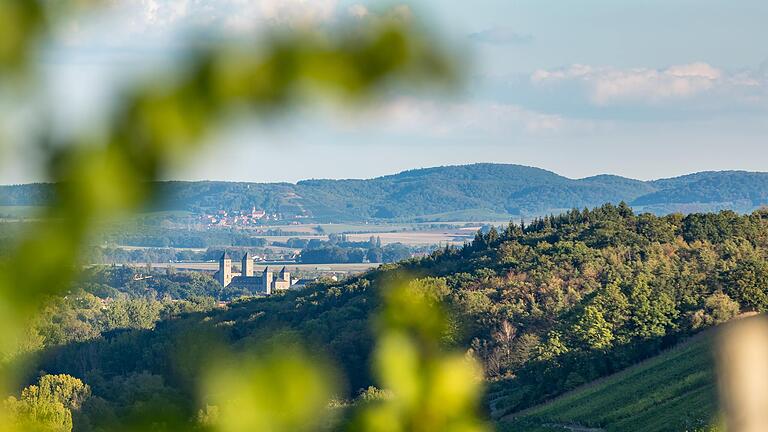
(644, 91)
(431, 167)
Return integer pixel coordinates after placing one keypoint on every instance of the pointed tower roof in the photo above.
(247, 255)
(225, 256)
(266, 269)
(282, 271)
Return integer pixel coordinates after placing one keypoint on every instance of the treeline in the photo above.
(485, 189)
(83, 316)
(158, 284)
(339, 249)
(108, 299)
(116, 255)
(313, 251)
(545, 307)
(114, 298)
(108, 255)
(178, 238)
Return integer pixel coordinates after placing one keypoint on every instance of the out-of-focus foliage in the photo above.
(21, 23)
(430, 390)
(156, 124)
(280, 390)
(100, 176)
(742, 357)
(427, 388)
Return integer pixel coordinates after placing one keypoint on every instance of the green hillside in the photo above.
(674, 391)
(479, 191)
(545, 308)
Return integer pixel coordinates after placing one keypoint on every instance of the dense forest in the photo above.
(479, 191)
(109, 298)
(545, 307)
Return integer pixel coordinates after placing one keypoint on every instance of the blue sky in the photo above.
(645, 89)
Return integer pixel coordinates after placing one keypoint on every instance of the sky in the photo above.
(644, 89)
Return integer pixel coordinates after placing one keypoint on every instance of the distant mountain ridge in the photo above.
(462, 192)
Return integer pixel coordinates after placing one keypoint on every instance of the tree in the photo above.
(718, 308)
(652, 312)
(747, 282)
(48, 406)
(613, 305)
(593, 330)
(553, 346)
(132, 313)
(68, 390)
(375, 255)
(504, 338)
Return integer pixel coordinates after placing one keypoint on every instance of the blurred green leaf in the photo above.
(156, 124)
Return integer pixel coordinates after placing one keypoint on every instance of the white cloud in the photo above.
(358, 11)
(697, 70)
(606, 85)
(409, 115)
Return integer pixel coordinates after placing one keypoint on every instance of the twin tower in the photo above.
(265, 282)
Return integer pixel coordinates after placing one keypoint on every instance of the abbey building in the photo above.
(265, 282)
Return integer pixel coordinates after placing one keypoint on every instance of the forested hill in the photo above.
(478, 191)
(545, 308)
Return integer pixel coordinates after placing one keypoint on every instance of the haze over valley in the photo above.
(453, 193)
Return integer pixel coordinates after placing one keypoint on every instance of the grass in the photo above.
(674, 391)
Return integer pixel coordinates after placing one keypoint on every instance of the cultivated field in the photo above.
(213, 266)
(359, 228)
(419, 238)
(19, 212)
(412, 238)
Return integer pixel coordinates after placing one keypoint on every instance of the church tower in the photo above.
(224, 275)
(247, 265)
(285, 275)
(266, 279)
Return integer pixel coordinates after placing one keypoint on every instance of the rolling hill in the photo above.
(545, 308)
(673, 391)
(478, 190)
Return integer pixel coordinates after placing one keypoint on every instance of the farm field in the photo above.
(18, 212)
(133, 248)
(419, 238)
(357, 228)
(411, 238)
(674, 391)
(276, 249)
(213, 266)
(469, 214)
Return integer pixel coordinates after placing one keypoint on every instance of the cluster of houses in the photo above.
(238, 218)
